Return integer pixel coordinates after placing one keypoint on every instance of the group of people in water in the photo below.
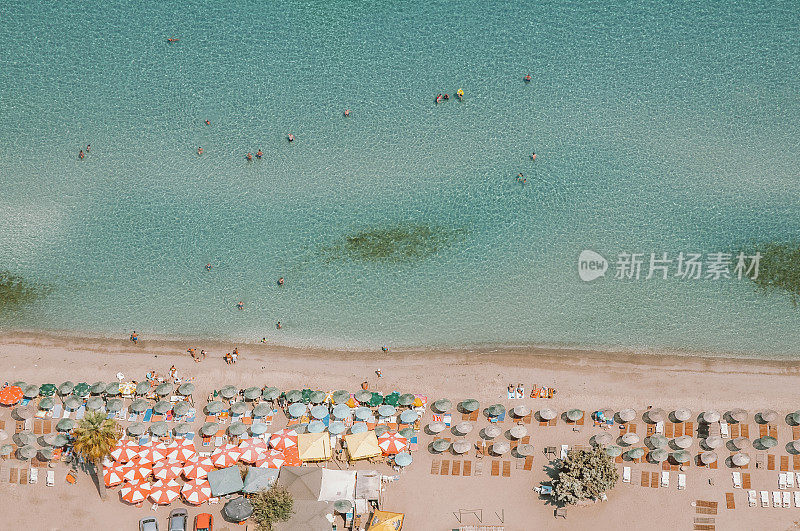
(520, 177)
(445, 97)
(81, 153)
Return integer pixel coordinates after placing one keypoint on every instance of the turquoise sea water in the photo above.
(658, 128)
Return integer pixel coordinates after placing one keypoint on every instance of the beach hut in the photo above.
(442, 405)
(657, 441)
(197, 467)
(186, 389)
(225, 481)
(655, 415)
(681, 456)
(313, 447)
(491, 432)
(737, 415)
(437, 426)
(613, 451)
(658, 455)
(682, 415)
(714, 441)
(10, 395)
(386, 521)
(238, 509)
(768, 416)
(636, 453)
(228, 392)
(135, 492)
(463, 427)
(440, 445)
(630, 438)
(684, 441)
(501, 447)
(362, 445)
(547, 414)
(518, 432)
(196, 491)
(603, 439)
(740, 443)
(710, 416)
(461, 446)
(708, 457)
(469, 405)
(740, 459)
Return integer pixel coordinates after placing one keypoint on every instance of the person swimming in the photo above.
(208, 267)
(173, 39)
(290, 137)
(460, 94)
(240, 305)
(208, 123)
(280, 281)
(199, 150)
(259, 154)
(88, 148)
(527, 78)
(438, 98)
(533, 156)
(249, 157)
(446, 97)
(520, 177)
(80, 154)
(347, 113)
(278, 325)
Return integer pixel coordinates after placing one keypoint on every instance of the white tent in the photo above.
(368, 484)
(337, 485)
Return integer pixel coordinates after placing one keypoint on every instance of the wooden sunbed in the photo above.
(746, 481)
(543, 423)
(445, 467)
(467, 469)
(527, 418)
(651, 429)
(704, 527)
(734, 431)
(703, 520)
(14, 475)
(654, 480)
(664, 465)
(456, 470)
(478, 468)
(435, 466)
(506, 469)
(713, 465)
(796, 462)
(645, 478)
(668, 430)
(528, 463)
(525, 440)
(679, 429)
(23, 476)
(773, 431)
(553, 422)
(631, 428)
(623, 429)
(795, 433)
(495, 468)
(770, 461)
(37, 427)
(745, 430)
(48, 426)
(579, 422)
(688, 428)
(19, 426)
(762, 430)
(784, 463)
(729, 502)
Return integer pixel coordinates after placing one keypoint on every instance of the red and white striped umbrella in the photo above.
(252, 449)
(125, 450)
(197, 467)
(271, 459)
(153, 452)
(283, 439)
(392, 443)
(291, 457)
(167, 470)
(196, 491)
(225, 456)
(136, 471)
(112, 475)
(135, 492)
(164, 492)
(181, 450)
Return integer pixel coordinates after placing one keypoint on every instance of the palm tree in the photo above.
(95, 437)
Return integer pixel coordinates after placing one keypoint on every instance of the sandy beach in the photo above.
(585, 380)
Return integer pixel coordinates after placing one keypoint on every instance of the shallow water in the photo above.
(661, 129)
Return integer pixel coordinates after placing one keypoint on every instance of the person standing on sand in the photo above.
(134, 337)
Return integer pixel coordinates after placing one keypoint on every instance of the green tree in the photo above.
(273, 505)
(95, 437)
(584, 474)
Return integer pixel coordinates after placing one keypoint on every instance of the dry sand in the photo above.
(586, 380)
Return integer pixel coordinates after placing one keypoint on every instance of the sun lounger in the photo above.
(33, 476)
(679, 429)
(776, 498)
(795, 433)
(770, 461)
(654, 480)
(797, 498)
(445, 470)
(456, 470)
(467, 469)
(737, 480)
(746, 480)
(763, 430)
(688, 428)
(784, 463)
(495, 468)
(773, 431)
(787, 500)
(626, 474)
(729, 501)
(681, 481)
(669, 430)
(528, 463)
(564, 451)
(645, 479)
(664, 479)
(723, 430)
(751, 498)
(435, 464)
(13, 476)
(797, 478)
(764, 498)
(506, 469)
(790, 480)
(51, 478)
(781, 481)
(81, 413)
(23, 476)
(734, 431)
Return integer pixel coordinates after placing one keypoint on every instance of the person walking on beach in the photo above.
(134, 337)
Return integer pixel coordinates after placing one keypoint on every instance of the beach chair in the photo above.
(734, 431)
(729, 501)
(764, 498)
(681, 481)
(33, 476)
(770, 461)
(528, 463)
(797, 498)
(13, 476)
(784, 463)
(776, 499)
(669, 430)
(789, 480)
(478, 468)
(762, 430)
(751, 498)
(664, 479)
(564, 451)
(626, 474)
(23, 476)
(797, 478)
(787, 500)
(51, 478)
(781, 481)
(679, 429)
(737, 480)
(746, 480)
(467, 468)
(456, 469)
(796, 462)
(506, 469)
(645, 478)
(746, 430)
(654, 480)
(445, 470)
(723, 430)
(495, 468)
(773, 431)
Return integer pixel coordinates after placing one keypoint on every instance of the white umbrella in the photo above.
(525, 449)
(682, 414)
(500, 447)
(708, 457)
(437, 426)
(464, 427)
(627, 415)
(710, 416)
(461, 446)
(521, 411)
(655, 415)
(740, 459)
(683, 441)
(492, 431)
(741, 442)
(714, 441)
(547, 414)
(603, 438)
(630, 438)
(518, 432)
(769, 415)
(796, 446)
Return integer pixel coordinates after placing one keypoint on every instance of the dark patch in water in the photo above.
(399, 243)
(779, 269)
(17, 292)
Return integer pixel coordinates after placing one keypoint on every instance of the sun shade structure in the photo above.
(152, 452)
(442, 405)
(197, 467)
(708, 457)
(547, 414)
(136, 492)
(71, 403)
(47, 389)
(66, 388)
(437, 426)
(574, 414)
(24, 438)
(387, 411)
(237, 429)
(270, 393)
(112, 389)
(525, 450)
(162, 407)
(112, 475)
(225, 456)
(81, 390)
(262, 410)
(710, 416)
(47, 403)
(682, 456)
(297, 409)
(251, 393)
(768, 416)
(136, 429)
(440, 445)
(284, 439)
(658, 441)
(209, 428)
(229, 391)
(714, 441)
(521, 411)
(636, 453)
(166, 470)
(492, 431)
(98, 388)
(363, 396)
(315, 426)
(362, 445)
(238, 509)
(495, 410)
(684, 441)
(408, 417)
(627, 415)
(336, 427)
(682, 415)
(23, 413)
(386, 521)
(142, 388)
(125, 450)
(303, 483)
(26, 452)
(768, 442)
(225, 481)
(181, 450)
(740, 443)
(630, 438)
(65, 425)
(341, 411)
(114, 405)
(238, 408)
(139, 405)
(406, 399)
(613, 451)
(136, 471)
(259, 479)
(737, 415)
(501, 447)
(461, 446)
(314, 447)
(655, 415)
(10, 395)
(464, 427)
(319, 412)
(518, 431)
(740, 459)
(214, 407)
(392, 443)
(362, 413)
(603, 439)
(658, 455)
(340, 397)
(30, 391)
(196, 491)
(469, 405)
(159, 429)
(186, 389)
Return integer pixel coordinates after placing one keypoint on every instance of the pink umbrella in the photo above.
(181, 450)
(196, 491)
(167, 470)
(152, 452)
(283, 439)
(225, 456)
(164, 492)
(135, 492)
(251, 449)
(124, 451)
(197, 467)
(271, 459)
(136, 471)
(113, 475)
(392, 443)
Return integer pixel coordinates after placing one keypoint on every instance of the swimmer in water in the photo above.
(527, 78)
(438, 98)
(240, 305)
(533, 156)
(280, 281)
(278, 325)
(208, 123)
(446, 97)
(460, 94)
(259, 154)
(208, 267)
(519, 177)
(290, 137)
(347, 113)
(199, 150)
(88, 148)
(80, 154)
(173, 39)
(249, 157)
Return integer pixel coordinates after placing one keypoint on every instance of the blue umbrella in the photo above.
(316, 426)
(319, 412)
(403, 459)
(409, 416)
(341, 411)
(363, 413)
(297, 409)
(337, 427)
(359, 427)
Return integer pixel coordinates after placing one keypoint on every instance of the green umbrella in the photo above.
(469, 405)
(376, 400)
(392, 399)
(363, 396)
(270, 393)
(215, 407)
(164, 389)
(496, 410)
(186, 389)
(30, 391)
(340, 397)
(682, 456)
(181, 408)
(262, 410)
(768, 442)
(162, 407)
(47, 389)
(114, 405)
(136, 429)
(635, 453)
(72, 403)
(183, 428)
(47, 403)
(95, 404)
(442, 405)
(407, 432)
(406, 399)
(139, 405)
(112, 389)
(441, 445)
(6, 449)
(358, 427)
(613, 451)
(82, 389)
(251, 393)
(56, 439)
(341, 411)
(65, 425)
(258, 428)
(237, 428)
(794, 417)
(297, 409)
(409, 416)
(238, 408)
(98, 388)
(294, 396)
(658, 455)
(209, 428)
(342, 506)
(26, 452)
(306, 394)
(46, 453)
(574, 414)
(20, 384)
(24, 438)
(142, 388)
(317, 397)
(228, 391)
(66, 388)
(159, 429)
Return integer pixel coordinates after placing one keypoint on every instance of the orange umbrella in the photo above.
(225, 456)
(197, 467)
(10, 395)
(392, 443)
(167, 470)
(281, 440)
(112, 475)
(271, 459)
(180, 450)
(164, 492)
(252, 449)
(152, 452)
(196, 491)
(125, 450)
(292, 457)
(135, 492)
(136, 471)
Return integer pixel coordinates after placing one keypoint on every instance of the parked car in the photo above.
(148, 523)
(204, 522)
(177, 520)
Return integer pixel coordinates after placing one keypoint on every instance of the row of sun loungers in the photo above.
(27, 476)
(654, 479)
(779, 499)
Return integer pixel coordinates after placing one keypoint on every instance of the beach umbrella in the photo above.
(682, 415)
(134, 493)
(114, 405)
(376, 399)
(768, 416)
(136, 429)
(125, 450)
(251, 449)
(407, 399)
(181, 450)
(72, 403)
(525, 450)
(258, 428)
(181, 408)
(20, 384)
(740, 459)
(521, 411)
(547, 414)
(127, 388)
(47, 403)
(387, 410)
(768, 442)
(162, 407)
(408, 416)
(228, 392)
(23, 413)
(297, 409)
(714, 441)
(152, 452)
(209, 429)
(630, 438)
(336, 427)
(684, 441)
(319, 412)
(65, 425)
(30, 391)
(627, 415)
(461, 446)
(46, 453)
(469, 405)
(262, 410)
(296, 396)
(159, 429)
(658, 455)
(441, 445)
(796, 446)
(164, 389)
(316, 426)
(437, 426)
(225, 456)
(380, 429)
(518, 431)
(197, 467)
(363, 413)
(95, 403)
(113, 389)
(658, 441)
(214, 407)
(636, 453)
(238, 408)
(740, 443)
(166, 470)
(495, 410)
(281, 440)
(655, 415)
(340, 397)
(359, 427)
(492, 431)
(142, 388)
(392, 399)
(24, 438)
(81, 389)
(343, 506)
(98, 388)
(363, 396)
(56, 440)
(136, 471)
(112, 475)
(794, 418)
(251, 393)
(710, 416)
(500, 447)
(341, 411)
(6, 449)
(392, 443)
(183, 428)
(237, 429)
(442, 405)
(613, 451)
(270, 393)
(317, 397)
(196, 491)
(574, 414)
(270, 458)
(464, 427)
(186, 389)
(164, 492)
(708, 457)
(603, 439)
(10, 395)
(139, 405)
(47, 389)
(238, 509)
(66, 388)
(26, 452)
(682, 456)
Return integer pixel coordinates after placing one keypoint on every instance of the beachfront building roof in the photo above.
(259, 478)
(386, 521)
(337, 485)
(368, 484)
(225, 481)
(314, 446)
(301, 482)
(362, 445)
